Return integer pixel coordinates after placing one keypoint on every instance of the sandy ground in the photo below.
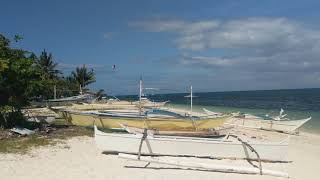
(79, 159)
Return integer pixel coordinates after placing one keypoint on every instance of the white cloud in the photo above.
(257, 33)
(268, 44)
(176, 26)
(271, 51)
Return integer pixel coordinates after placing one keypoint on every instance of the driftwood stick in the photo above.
(205, 166)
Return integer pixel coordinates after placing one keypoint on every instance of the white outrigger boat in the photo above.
(284, 126)
(130, 146)
(277, 123)
(191, 146)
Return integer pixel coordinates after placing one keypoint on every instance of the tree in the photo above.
(3, 65)
(4, 43)
(66, 86)
(18, 81)
(100, 94)
(24, 76)
(83, 76)
(17, 38)
(47, 66)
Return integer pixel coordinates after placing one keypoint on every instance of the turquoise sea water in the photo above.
(297, 103)
(313, 126)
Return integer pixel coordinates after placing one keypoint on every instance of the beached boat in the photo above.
(277, 123)
(146, 103)
(155, 119)
(177, 145)
(285, 126)
(211, 113)
(160, 119)
(78, 98)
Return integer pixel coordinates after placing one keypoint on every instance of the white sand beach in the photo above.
(78, 158)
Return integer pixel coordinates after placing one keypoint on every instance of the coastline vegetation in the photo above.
(26, 77)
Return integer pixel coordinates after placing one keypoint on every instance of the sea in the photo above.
(297, 103)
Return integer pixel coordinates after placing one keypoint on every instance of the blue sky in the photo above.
(214, 45)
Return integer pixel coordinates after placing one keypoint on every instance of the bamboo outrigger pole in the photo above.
(204, 166)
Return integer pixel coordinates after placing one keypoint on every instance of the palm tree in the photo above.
(47, 65)
(4, 45)
(100, 94)
(83, 76)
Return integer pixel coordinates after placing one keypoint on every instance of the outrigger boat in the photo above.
(146, 103)
(277, 123)
(177, 145)
(285, 126)
(160, 119)
(211, 113)
(155, 119)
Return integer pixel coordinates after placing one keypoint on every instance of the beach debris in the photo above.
(46, 128)
(22, 131)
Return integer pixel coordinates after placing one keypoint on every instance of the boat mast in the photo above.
(140, 94)
(193, 122)
(191, 100)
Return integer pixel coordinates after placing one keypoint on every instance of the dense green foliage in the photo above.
(83, 77)
(25, 77)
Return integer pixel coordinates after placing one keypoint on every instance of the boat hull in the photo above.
(80, 119)
(200, 133)
(288, 126)
(176, 145)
